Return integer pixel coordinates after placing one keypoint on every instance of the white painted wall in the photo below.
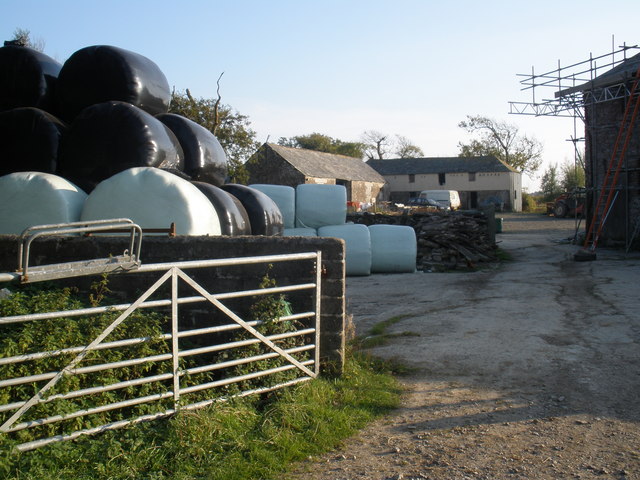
(454, 181)
(462, 182)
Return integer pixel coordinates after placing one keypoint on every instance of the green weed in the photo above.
(503, 255)
(378, 336)
(256, 437)
(240, 440)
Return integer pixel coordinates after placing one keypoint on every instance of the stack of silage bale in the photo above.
(102, 117)
(316, 209)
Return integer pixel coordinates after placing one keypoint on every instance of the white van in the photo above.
(449, 198)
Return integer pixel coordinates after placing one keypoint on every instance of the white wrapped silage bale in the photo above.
(284, 197)
(357, 241)
(393, 249)
(36, 198)
(153, 198)
(300, 232)
(320, 205)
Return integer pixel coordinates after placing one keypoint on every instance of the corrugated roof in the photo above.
(404, 166)
(327, 165)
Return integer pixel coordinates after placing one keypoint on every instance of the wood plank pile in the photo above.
(446, 241)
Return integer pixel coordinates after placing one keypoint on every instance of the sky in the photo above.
(406, 67)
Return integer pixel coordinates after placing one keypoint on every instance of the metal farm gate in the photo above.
(120, 377)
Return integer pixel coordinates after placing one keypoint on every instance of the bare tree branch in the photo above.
(216, 118)
(375, 143)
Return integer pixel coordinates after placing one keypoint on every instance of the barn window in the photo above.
(472, 176)
(412, 178)
(441, 178)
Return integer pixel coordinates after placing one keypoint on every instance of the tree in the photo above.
(378, 144)
(503, 141)
(324, 143)
(231, 128)
(550, 184)
(375, 144)
(405, 149)
(571, 176)
(22, 37)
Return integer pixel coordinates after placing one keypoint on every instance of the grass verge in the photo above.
(251, 438)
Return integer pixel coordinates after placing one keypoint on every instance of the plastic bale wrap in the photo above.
(29, 140)
(101, 73)
(320, 205)
(393, 249)
(153, 198)
(357, 241)
(300, 232)
(28, 79)
(36, 198)
(264, 214)
(285, 198)
(233, 217)
(110, 137)
(204, 157)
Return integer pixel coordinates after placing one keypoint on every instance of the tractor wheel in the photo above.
(560, 210)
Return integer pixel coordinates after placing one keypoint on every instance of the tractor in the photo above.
(568, 204)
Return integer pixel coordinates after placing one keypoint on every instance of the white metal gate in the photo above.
(176, 382)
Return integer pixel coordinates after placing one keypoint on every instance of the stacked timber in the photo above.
(446, 241)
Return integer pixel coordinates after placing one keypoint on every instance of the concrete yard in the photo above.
(530, 369)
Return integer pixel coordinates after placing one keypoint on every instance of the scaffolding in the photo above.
(567, 91)
(571, 86)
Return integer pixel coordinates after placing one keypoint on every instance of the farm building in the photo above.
(278, 165)
(479, 180)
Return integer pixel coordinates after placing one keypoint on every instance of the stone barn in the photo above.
(278, 165)
(606, 98)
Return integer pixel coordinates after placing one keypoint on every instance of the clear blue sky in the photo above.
(408, 67)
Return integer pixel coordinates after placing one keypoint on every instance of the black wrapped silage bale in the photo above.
(234, 220)
(28, 78)
(110, 137)
(264, 214)
(204, 157)
(29, 140)
(101, 73)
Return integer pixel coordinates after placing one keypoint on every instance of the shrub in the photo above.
(52, 335)
(58, 334)
(529, 203)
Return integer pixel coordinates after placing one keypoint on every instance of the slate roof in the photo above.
(421, 166)
(618, 74)
(327, 165)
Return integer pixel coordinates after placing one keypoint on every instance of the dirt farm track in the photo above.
(530, 370)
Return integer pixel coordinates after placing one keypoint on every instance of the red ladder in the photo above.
(609, 190)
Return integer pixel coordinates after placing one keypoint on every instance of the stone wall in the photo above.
(365, 192)
(602, 126)
(266, 166)
(227, 279)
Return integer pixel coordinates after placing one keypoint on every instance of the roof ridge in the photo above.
(318, 164)
(428, 165)
(314, 151)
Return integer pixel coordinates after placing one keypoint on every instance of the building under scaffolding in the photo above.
(604, 93)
